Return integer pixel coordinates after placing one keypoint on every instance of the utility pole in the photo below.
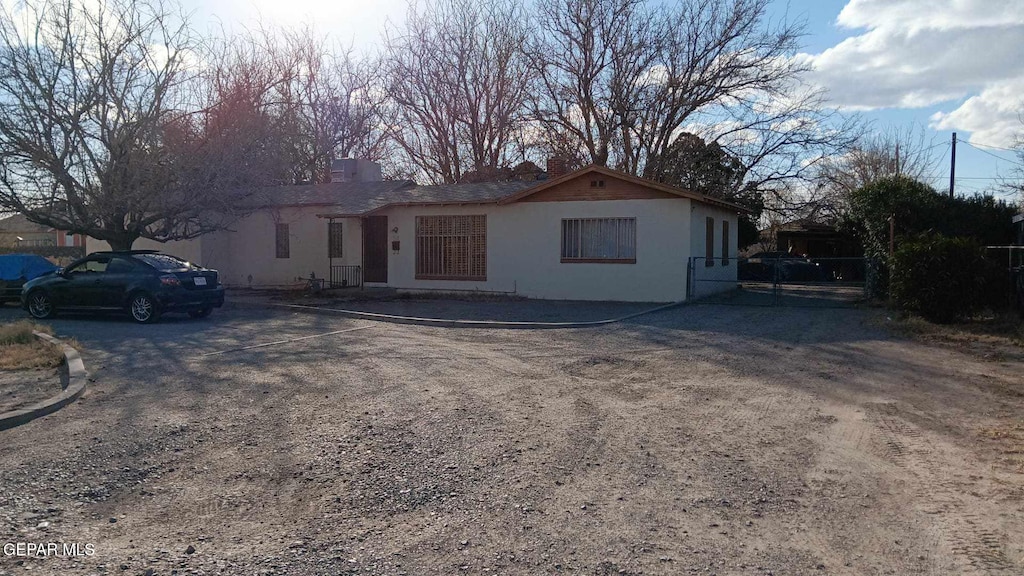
(952, 168)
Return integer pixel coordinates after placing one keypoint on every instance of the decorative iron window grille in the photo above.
(334, 240)
(451, 247)
(281, 241)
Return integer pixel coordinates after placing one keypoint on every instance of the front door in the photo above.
(375, 249)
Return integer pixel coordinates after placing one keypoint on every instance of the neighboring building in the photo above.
(815, 240)
(17, 232)
(592, 234)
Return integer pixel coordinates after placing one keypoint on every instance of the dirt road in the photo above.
(700, 440)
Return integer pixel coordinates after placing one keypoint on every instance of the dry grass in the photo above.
(999, 336)
(21, 350)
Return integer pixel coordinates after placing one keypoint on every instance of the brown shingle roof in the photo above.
(341, 199)
(359, 203)
(353, 194)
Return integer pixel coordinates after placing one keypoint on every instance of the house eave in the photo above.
(405, 205)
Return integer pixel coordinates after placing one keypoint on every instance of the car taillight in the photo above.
(170, 280)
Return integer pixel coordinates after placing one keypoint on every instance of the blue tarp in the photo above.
(24, 266)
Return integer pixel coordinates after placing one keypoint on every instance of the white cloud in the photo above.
(920, 53)
(918, 15)
(1002, 100)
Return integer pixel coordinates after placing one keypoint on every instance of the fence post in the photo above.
(775, 280)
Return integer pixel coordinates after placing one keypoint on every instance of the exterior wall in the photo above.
(247, 255)
(719, 277)
(524, 251)
(249, 248)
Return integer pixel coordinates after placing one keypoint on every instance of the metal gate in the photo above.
(781, 280)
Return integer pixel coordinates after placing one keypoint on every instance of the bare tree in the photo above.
(891, 152)
(1016, 184)
(619, 81)
(590, 59)
(334, 102)
(459, 80)
(96, 127)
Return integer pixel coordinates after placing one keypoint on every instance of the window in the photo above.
(97, 265)
(599, 240)
(164, 262)
(709, 242)
(334, 244)
(120, 266)
(725, 242)
(451, 247)
(281, 240)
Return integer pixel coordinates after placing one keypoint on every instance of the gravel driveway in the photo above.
(697, 440)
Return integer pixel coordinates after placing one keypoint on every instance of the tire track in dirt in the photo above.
(976, 544)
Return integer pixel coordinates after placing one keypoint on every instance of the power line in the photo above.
(973, 143)
(943, 143)
(994, 155)
(958, 178)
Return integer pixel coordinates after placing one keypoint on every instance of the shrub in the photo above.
(20, 349)
(945, 279)
(916, 206)
(18, 333)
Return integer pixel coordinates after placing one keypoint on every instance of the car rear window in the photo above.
(163, 262)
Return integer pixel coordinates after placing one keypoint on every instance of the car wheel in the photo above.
(143, 308)
(200, 313)
(40, 305)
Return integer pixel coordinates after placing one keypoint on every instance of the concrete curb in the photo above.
(77, 378)
(446, 322)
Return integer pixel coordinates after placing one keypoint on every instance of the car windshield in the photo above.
(164, 262)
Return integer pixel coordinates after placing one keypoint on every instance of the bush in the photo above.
(20, 349)
(945, 279)
(916, 206)
(18, 333)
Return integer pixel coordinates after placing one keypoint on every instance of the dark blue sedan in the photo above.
(144, 283)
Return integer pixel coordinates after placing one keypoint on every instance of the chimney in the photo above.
(557, 166)
(355, 170)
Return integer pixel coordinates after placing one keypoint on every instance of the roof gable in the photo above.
(577, 186)
(593, 187)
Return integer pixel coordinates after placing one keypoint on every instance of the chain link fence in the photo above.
(780, 279)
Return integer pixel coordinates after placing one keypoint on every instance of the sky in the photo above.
(940, 65)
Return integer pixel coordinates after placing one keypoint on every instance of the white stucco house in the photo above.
(591, 234)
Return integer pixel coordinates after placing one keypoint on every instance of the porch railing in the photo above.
(346, 277)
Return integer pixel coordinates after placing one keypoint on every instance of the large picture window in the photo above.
(599, 240)
(451, 247)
